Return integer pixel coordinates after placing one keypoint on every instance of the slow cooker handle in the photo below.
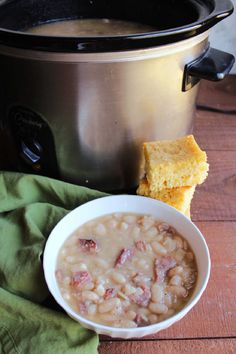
(214, 65)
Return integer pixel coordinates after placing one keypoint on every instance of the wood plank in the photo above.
(214, 131)
(215, 313)
(215, 199)
(218, 94)
(219, 346)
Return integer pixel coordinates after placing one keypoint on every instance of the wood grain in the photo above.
(214, 131)
(215, 313)
(218, 94)
(207, 346)
(215, 199)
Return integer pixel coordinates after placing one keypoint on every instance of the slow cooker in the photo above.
(79, 108)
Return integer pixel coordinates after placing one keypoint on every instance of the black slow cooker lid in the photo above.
(175, 20)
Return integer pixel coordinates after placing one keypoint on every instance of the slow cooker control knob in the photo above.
(31, 151)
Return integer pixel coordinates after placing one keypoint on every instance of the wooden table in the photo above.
(210, 327)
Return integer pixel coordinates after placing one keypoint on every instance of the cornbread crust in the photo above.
(175, 163)
(179, 197)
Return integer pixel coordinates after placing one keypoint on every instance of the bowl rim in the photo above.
(196, 295)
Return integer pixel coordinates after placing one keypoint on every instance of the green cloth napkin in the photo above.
(30, 206)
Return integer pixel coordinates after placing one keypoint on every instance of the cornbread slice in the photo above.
(179, 197)
(174, 163)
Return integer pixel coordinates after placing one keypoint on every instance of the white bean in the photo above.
(159, 238)
(146, 222)
(108, 317)
(108, 305)
(63, 252)
(78, 267)
(101, 280)
(117, 310)
(168, 314)
(72, 241)
(143, 311)
(135, 233)
(89, 295)
(179, 241)
(66, 281)
(129, 289)
(118, 277)
(100, 230)
(157, 292)
(179, 255)
(100, 290)
(125, 323)
(153, 318)
(101, 263)
(141, 263)
(176, 270)
(158, 248)
(66, 296)
(130, 315)
(118, 216)
(70, 259)
(170, 244)
(125, 304)
(112, 224)
(186, 273)
(158, 308)
(124, 226)
(168, 299)
(179, 291)
(148, 248)
(130, 219)
(88, 286)
(152, 232)
(92, 309)
(176, 280)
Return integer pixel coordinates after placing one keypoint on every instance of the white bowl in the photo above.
(138, 205)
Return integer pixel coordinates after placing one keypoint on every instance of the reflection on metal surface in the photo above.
(100, 113)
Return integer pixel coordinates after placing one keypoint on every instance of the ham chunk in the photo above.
(141, 320)
(79, 278)
(142, 296)
(161, 267)
(125, 255)
(88, 245)
(110, 292)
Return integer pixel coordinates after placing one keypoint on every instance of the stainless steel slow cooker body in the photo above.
(81, 114)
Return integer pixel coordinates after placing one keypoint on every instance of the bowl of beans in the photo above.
(126, 266)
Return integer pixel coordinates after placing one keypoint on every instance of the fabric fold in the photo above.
(30, 207)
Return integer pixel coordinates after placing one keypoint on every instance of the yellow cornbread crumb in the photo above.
(178, 197)
(174, 163)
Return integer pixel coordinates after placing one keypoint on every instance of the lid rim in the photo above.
(84, 44)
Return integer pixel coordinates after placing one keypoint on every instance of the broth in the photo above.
(89, 27)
